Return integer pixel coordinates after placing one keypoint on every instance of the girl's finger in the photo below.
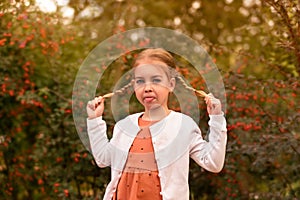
(99, 100)
(91, 105)
(215, 101)
(208, 98)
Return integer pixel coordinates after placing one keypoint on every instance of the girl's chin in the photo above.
(154, 107)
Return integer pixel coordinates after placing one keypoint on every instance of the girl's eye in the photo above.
(139, 81)
(156, 80)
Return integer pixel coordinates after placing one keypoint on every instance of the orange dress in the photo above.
(139, 180)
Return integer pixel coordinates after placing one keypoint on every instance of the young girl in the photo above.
(149, 151)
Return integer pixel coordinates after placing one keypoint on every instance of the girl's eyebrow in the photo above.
(138, 77)
(154, 76)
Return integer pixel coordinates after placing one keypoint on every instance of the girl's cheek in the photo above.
(137, 89)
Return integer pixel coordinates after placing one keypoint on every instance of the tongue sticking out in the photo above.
(148, 99)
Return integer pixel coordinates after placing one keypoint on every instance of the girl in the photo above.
(149, 151)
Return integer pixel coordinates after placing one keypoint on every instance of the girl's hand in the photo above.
(95, 107)
(213, 105)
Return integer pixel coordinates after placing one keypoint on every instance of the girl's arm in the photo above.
(96, 128)
(211, 154)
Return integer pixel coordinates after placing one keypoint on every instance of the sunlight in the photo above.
(47, 6)
(50, 6)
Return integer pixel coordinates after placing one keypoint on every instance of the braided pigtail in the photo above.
(124, 88)
(186, 86)
(119, 91)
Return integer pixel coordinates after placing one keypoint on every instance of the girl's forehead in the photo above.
(150, 70)
(148, 61)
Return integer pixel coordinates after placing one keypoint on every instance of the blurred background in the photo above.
(254, 43)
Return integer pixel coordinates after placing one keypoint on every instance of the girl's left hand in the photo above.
(213, 105)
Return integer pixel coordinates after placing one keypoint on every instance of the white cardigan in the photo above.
(175, 138)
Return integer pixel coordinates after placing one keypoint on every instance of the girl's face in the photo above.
(152, 84)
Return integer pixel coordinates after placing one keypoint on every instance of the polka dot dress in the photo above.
(140, 179)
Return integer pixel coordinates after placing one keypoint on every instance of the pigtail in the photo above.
(119, 91)
(124, 88)
(186, 86)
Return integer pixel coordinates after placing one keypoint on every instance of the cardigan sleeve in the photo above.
(210, 154)
(100, 145)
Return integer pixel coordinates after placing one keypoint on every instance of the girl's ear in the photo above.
(172, 84)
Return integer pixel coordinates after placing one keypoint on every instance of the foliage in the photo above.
(254, 43)
(37, 73)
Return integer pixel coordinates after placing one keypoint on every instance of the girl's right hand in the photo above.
(213, 105)
(95, 107)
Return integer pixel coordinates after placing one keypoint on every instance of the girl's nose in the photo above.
(148, 87)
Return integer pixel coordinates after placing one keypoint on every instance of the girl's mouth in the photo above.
(149, 99)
